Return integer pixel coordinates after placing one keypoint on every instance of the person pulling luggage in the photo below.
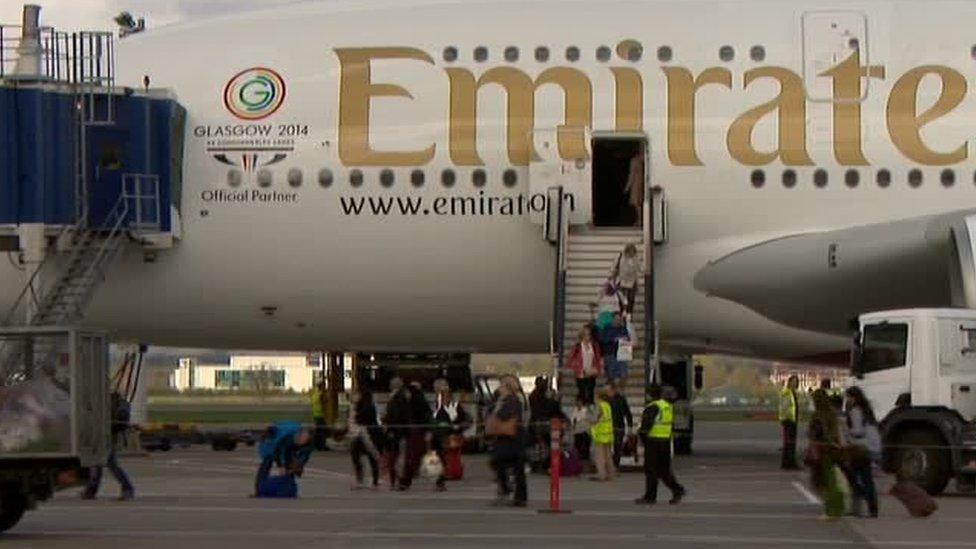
(656, 431)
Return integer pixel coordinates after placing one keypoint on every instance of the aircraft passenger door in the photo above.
(549, 169)
(829, 39)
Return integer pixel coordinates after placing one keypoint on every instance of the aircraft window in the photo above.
(665, 54)
(915, 178)
(854, 43)
(603, 54)
(884, 178)
(356, 178)
(479, 178)
(542, 54)
(789, 179)
(234, 178)
(448, 178)
(757, 53)
(948, 178)
(510, 178)
(295, 177)
(450, 54)
(572, 54)
(386, 178)
(820, 178)
(852, 178)
(726, 53)
(973, 52)
(325, 177)
(511, 54)
(481, 54)
(417, 178)
(758, 178)
(631, 50)
(265, 178)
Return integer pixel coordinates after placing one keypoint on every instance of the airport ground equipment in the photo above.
(918, 369)
(54, 414)
(89, 172)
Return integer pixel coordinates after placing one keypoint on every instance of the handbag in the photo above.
(495, 427)
(625, 351)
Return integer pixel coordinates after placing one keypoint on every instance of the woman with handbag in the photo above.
(586, 362)
(864, 450)
(505, 427)
(452, 421)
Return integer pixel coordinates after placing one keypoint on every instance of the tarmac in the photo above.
(195, 497)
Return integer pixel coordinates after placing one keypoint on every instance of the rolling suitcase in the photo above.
(453, 467)
(918, 502)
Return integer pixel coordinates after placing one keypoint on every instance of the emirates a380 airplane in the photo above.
(373, 173)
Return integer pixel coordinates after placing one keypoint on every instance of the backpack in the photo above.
(274, 435)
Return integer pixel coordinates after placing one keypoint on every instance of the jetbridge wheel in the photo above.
(12, 508)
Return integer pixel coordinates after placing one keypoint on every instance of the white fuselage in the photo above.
(369, 89)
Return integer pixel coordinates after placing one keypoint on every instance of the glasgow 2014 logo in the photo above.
(254, 93)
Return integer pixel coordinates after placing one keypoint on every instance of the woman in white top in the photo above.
(582, 418)
(627, 271)
(862, 432)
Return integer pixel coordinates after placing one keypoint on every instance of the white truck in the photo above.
(918, 369)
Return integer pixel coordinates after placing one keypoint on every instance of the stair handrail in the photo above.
(559, 300)
(28, 289)
(120, 213)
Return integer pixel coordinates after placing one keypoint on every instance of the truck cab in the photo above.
(917, 367)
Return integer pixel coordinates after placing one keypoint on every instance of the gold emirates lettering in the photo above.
(357, 90)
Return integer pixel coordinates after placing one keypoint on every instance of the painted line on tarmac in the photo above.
(806, 493)
(426, 512)
(313, 535)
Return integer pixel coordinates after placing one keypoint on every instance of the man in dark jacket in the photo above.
(623, 420)
(121, 412)
(418, 434)
(395, 419)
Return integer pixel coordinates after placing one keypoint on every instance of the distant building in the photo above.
(261, 373)
(810, 377)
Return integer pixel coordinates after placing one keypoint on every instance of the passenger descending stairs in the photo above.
(590, 255)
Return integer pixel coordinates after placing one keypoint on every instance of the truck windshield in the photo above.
(884, 347)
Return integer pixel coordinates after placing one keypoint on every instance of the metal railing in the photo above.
(71, 58)
(142, 194)
(650, 319)
(559, 299)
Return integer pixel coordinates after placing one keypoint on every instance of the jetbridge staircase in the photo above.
(87, 169)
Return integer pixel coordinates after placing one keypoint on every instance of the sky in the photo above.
(70, 15)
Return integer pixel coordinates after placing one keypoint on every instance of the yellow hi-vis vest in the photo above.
(788, 406)
(316, 399)
(663, 421)
(602, 431)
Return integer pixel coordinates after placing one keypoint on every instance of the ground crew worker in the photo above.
(655, 431)
(789, 409)
(602, 436)
(317, 398)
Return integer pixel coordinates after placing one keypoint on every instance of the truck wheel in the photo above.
(921, 458)
(11, 510)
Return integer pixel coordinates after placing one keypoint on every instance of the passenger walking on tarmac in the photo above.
(823, 447)
(655, 432)
(395, 419)
(865, 441)
(789, 414)
(543, 408)
(582, 418)
(418, 438)
(602, 435)
(623, 421)
(505, 425)
(616, 347)
(365, 438)
(121, 413)
(317, 399)
(451, 421)
(586, 362)
(627, 271)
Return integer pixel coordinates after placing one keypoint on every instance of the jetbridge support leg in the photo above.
(33, 249)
